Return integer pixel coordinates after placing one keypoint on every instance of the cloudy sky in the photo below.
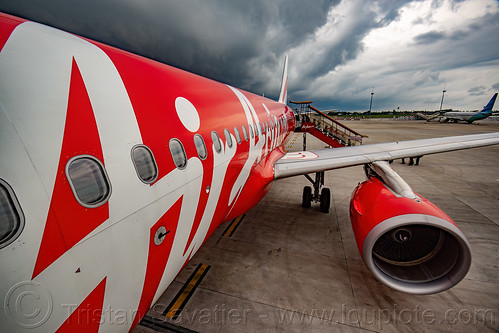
(407, 52)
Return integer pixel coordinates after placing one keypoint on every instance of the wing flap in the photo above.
(299, 163)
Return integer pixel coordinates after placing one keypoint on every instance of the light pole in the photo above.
(371, 104)
(442, 102)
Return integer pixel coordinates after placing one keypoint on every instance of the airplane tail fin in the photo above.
(283, 95)
(490, 105)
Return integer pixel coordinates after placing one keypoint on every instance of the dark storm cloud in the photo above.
(429, 37)
(214, 38)
(477, 91)
(299, 19)
(471, 46)
(238, 42)
(435, 36)
(346, 44)
(243, 43)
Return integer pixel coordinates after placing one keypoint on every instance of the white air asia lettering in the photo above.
(255, 151)
(132, 203)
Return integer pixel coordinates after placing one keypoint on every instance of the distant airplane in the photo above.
(467, 116)
(115, 169)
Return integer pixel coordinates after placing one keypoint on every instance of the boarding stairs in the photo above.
(325, 128)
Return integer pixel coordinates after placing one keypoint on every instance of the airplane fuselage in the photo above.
(466, 116)
(164, 157)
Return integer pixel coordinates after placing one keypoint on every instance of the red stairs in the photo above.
(325, 128)
(310, 128)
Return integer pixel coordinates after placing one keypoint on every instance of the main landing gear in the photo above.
(317, 195)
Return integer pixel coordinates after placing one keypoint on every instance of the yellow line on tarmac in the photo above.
(178, 303)
(233, 226)
(292, 142)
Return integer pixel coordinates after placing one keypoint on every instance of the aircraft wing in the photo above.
(304, 162)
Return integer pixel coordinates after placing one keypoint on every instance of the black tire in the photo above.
(325, 200)
(307, 197)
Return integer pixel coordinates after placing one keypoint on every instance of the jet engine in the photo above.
(406, 241)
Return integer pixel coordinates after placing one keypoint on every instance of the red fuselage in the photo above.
(120, 167)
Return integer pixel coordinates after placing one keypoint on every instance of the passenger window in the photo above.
(238, 136)
(216, 142)
(200, 146)
(251, 131)
(245, 133)
(178, 153)
(88, 180)
(228, 137)
(11, 217)
(144, 163)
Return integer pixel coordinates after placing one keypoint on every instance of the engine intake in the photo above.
(406, 241)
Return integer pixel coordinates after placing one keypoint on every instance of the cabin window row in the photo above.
(178, 152)
(90, 183)
(91, 186)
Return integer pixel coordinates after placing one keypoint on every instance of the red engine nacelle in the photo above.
(409, 244)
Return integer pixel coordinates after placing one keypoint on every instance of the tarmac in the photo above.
(283, 268)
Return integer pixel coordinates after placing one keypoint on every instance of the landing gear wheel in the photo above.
(307, 197)
(325, 200)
